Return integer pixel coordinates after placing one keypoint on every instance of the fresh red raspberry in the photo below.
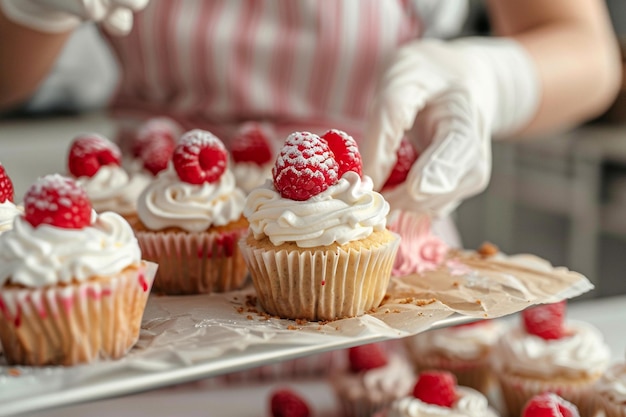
(157, 154)
(286, 403)
(251, 144)
(91, 151)
(7, 192)
(546, 320)
(199, 157)
(549, 405)
(58, 201)
(366, 357)
(436, 387)
(345, 149)
(162, 128)
(305, 167)
(406, 155)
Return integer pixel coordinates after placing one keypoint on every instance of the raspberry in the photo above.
(286, 403)
(436, 387)
(305, 167)
(57, 201)
(6, 186)
(549, 405)
(162, 127)
(406, 155)
(545, 321)
(251, 144)
(89, 152)
(157, 154)
(476, 323)
(199, 157)
(345, 149)
(366, 357)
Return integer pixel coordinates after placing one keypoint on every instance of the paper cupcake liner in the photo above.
(195, 263)
(476, 373)
(78, 323)
(516, 391)
(320, 285)
(604, 407)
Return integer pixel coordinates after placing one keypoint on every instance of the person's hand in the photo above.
(448, 99)
(63, 15)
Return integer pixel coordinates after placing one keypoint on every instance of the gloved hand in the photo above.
(55, 16)
(449, 99)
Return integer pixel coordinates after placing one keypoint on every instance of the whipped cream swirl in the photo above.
(249, 175)
(470, 403)
(170, 202)
(581, 354)
(8, 212)
(346, 211)
(113, 189)
(48, 255)
(612, 385)
(458, 342)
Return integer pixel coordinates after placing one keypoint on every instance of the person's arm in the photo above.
(574, 50)
(26, 57)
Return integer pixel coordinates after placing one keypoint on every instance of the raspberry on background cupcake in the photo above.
(151, 147)
(8, 209)
(96, 164)
(373, 379)
(546, 353)
(318, 246)
(549, 405)
(285, 402)
(190, 219)
(252, 154)
(82, 298)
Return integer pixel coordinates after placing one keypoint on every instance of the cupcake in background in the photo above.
(151, 147)
(374, 378)
(8, 209)
(318, 246)
(464, 350)
(190, 219)
(82, 298)
(95, 163)
(436, 393)
(546, 353)
(609, 393)
(252, 154)
(549, 405)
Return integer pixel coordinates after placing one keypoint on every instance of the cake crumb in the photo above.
(240, 309)
(292, 327)
(14, 372)
(249, 317)
(487, 250)
(301, 322)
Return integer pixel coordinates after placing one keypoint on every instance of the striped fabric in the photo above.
(302, 64)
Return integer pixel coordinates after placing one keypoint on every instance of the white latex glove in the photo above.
(449, 99)
(56, 16)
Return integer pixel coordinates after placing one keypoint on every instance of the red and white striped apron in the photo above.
(300, 64)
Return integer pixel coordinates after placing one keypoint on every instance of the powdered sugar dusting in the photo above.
(92, 143)
(196, 140)
(199, 157)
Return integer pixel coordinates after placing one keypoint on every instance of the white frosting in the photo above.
(8, 212)
(249, 175)
(49, 255)
(113, 189)
(581, 354)
(386, 383)
(347, 211)
(470, 403)
(170, 202)
(459, 342)
(612, 385)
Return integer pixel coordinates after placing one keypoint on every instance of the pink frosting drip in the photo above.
(420, 250)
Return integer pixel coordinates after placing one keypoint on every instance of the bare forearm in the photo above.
(575, 53)
(26, 56)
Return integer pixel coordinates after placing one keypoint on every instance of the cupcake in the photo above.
(190, 219)
(95, 163)
(318, 246)
(8, 209)
(252, 155)
(546, 354)
(464, 350)
(549, 405)
(73, 287)
(609, 393)
(373, 379)
(436, 393)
